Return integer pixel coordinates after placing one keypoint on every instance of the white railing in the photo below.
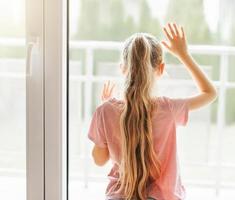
(224, 52)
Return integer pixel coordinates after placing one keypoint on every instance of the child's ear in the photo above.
(122, 68)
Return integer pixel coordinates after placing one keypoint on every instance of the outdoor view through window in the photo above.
(97, 30)
(12, 100)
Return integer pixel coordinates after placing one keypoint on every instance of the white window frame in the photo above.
(46, 99)
(34, 100)
(55, 19)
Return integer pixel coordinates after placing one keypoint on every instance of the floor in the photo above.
(12, 188)
(95, 190)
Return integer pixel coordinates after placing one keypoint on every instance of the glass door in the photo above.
(21, 100)
(97, 29)
(12, 112)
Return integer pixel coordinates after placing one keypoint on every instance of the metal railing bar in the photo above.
(114, 45)
(111, 45)
(16, 42)
(88, 109)
(83, 78)
(221, 117)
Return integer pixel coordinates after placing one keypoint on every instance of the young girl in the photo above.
(138, 133)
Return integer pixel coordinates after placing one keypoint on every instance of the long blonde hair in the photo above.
(139, 162)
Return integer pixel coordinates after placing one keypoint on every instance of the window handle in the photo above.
(32, 54)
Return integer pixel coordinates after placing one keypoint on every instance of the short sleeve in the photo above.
(96, 131)
(179, 108)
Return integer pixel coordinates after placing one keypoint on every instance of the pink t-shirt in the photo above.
(169, 113)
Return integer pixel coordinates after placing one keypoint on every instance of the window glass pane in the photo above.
(97, 30)
(12, 100)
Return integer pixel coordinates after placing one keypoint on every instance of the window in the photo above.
(48, 94)
(12, 112)
(97, 29)
(21, 136)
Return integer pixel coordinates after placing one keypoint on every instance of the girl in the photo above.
(138, 133)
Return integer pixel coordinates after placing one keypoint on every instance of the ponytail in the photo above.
(137, 148)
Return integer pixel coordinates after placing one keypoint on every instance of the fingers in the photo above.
(169, 37)
(182, 31)
(172, 33)
(107, 90)
(103, 92)
(171, 30)
(176, 29)
(104, 88)
(111, 90)
(165, 45)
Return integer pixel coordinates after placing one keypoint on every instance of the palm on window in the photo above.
(107, 91)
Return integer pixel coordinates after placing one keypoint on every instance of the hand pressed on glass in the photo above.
(107, 91)
(177, 43)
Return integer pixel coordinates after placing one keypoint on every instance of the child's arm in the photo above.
(177, 45)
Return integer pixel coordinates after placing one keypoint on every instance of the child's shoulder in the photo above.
(113, 104)
(164, 100)
(109, 105)
(168, 103)
(168, 100)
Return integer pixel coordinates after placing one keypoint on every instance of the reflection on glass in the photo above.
(205, 145)
(12, 100)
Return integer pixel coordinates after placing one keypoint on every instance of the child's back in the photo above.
(168, 113)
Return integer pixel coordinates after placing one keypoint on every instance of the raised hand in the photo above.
(107, 91)
(176, 43)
